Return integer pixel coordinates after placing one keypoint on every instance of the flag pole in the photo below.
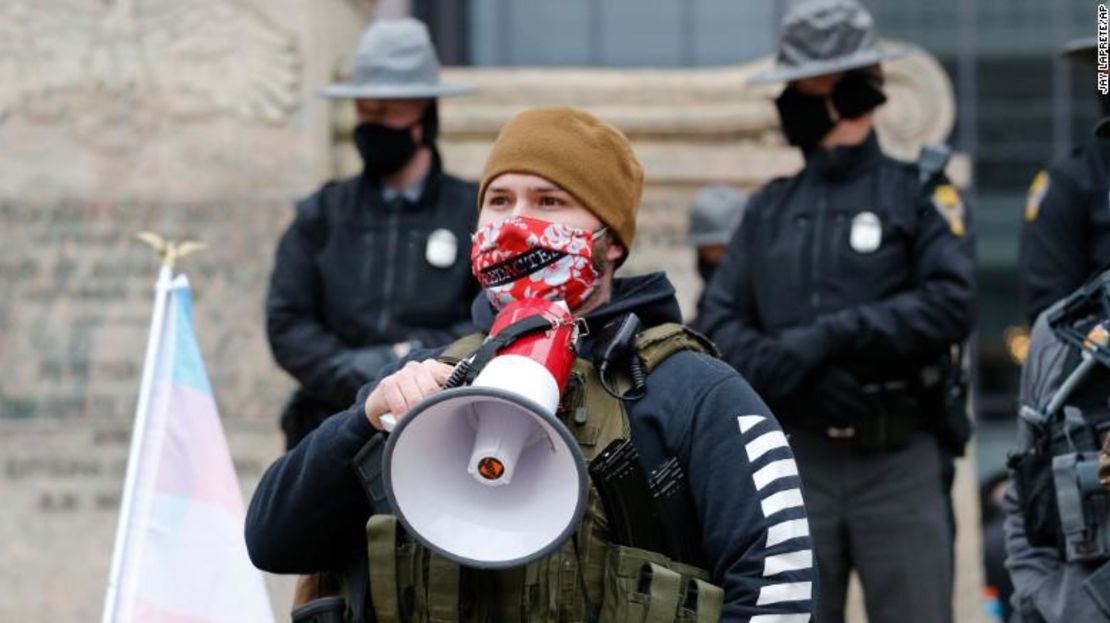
(169, 252)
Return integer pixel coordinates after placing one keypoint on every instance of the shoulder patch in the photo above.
(946, 200)
(1037, 191)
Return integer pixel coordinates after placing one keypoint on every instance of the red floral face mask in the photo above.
(521, 258)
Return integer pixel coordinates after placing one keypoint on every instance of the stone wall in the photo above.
(191, 119)
(198, 120)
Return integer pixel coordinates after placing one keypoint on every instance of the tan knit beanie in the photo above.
(582, 154)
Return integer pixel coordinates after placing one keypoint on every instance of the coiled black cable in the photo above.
(636, 371)
(458, 374)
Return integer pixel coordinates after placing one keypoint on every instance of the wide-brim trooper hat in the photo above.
(1102, 128)
(715, 215)
(822, 37)
(395, 60)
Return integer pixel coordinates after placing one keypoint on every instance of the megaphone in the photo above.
(486, 475)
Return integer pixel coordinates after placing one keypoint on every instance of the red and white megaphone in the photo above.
(485, 474)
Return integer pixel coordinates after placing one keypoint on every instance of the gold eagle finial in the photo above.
(169, 250)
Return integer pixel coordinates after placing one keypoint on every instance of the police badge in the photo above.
(867, 233)
(442, 248)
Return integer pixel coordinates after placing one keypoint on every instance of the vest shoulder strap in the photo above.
(462, 348)
(658, 343)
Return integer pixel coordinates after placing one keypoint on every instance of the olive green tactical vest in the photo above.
(588, 578)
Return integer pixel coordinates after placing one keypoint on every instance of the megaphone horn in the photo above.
(486, 474)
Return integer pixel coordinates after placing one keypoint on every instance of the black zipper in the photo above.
(818, 230)
(390, 263)
(836, 251)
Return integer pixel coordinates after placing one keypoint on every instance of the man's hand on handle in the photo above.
(404, 389)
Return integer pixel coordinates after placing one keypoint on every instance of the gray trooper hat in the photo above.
(715, 214)
(820, 37)
(1102, 128)
(395, 60)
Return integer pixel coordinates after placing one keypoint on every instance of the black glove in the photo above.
(365, 364)
(803, 350)
(841, 399)
(812, 346)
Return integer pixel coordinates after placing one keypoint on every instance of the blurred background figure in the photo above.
(1065, 238)
(714, 216)
(840, 299)
(379, 263)
(1057, 523)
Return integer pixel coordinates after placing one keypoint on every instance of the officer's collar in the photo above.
(415, 194)
(411, 193)
(844, 160)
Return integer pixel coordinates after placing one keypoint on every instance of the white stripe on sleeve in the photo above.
(791, 591)
(787, 530)
(748, 421)
(773, 471)
(780, 618)
(790, 561)
(781, 501)
(765, 443)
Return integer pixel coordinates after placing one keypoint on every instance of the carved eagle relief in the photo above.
(114, 65)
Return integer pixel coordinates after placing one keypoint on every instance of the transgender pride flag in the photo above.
(180, 556)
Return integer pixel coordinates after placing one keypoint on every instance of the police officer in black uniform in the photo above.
(377, 264)
(1065, 238)
(839, 299)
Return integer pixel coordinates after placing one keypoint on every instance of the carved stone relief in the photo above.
(108, 71)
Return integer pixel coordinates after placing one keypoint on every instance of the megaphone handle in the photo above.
(388, 422)
(459, 374)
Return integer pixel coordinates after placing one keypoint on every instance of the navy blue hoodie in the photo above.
(309, 511)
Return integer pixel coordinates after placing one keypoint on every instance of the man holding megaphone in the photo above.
(585, 458)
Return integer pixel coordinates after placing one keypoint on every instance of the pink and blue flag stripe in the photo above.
(185, 559)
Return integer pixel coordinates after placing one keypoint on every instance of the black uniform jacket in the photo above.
(353, 275)
(1065, 238)
(853, 262)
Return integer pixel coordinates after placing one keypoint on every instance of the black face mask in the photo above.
(805, 118)
(856, 95)
(384, 150)
(706, 269)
